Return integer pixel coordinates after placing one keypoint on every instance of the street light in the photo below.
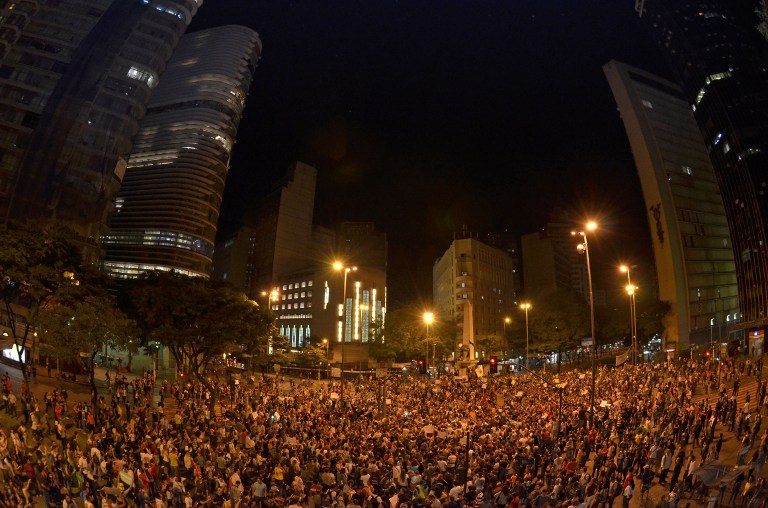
(583, 247)
(526, 306)
(325, 341)
(338, 266)
(631, 288)
(428, 318)
(507, 320)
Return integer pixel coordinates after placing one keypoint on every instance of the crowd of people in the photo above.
(490, 442)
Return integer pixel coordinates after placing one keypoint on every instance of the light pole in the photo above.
(338, 266)
(325, 341)
(632, 310)
(507, 320)
(583, 247)
(711, 337)
(526, 306)
(428, 318)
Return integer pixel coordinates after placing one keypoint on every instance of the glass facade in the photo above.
(75, 77)
(167, 210)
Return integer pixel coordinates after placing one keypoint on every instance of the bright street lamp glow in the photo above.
(591, 226)
(429, 317)
(624, 268)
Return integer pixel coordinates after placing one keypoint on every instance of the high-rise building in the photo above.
(691, 240)
(551, 262)
(473, 272)
(281, 258)
(509, 243)
(716, 55)
(75, 77)
(167, 211)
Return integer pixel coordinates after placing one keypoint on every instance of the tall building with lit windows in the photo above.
(718, 57)
(167, 211)
(473, 272)
(284, 260)
(75, 78)
(691, 240)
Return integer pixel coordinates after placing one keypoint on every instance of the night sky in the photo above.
(423, 116)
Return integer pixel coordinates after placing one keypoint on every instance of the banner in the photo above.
(622, 358)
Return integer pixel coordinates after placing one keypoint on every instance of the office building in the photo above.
(551, 261)
(75, 77)
(284, 260)
(167, 211)
(471, 271)
(691, 239)
(717, 55)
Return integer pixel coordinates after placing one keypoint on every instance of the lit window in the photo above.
(309, 283)
(648, 104)
(726, 147)
(303, 284)
(143, 75)
(688, 170)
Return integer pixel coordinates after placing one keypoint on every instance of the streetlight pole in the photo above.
(346, 269)
(526, 306)
(584, 247)
(632, 312)
(428, 318)
(505, 322)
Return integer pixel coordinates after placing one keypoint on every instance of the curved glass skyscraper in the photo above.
(75, 77)
(167, 210)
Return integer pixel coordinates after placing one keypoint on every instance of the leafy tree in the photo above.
(312, 354)
(200, 321)
(77, 328)
(39, 263)
(404, 337)
(558, 322)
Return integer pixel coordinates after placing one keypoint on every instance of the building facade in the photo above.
(718, 58)
(551, 261)
(75, 78)
(691, 240)
(167, 211)
(283, 254)
(471, 271)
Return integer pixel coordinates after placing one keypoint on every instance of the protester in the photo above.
(273, 442)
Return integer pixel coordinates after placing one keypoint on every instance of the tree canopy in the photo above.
(404, 337)
(200, 321)
(558, 322)
(40, 264)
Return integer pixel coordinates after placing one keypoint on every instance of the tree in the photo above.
(39, 263)
(404, 337)
(199, 321)
(78, 328)
(312, 354)
(558, 323)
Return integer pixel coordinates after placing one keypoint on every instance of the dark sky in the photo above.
(424, 116)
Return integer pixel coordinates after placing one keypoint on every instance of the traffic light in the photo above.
(422, 366)
(493, 362)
